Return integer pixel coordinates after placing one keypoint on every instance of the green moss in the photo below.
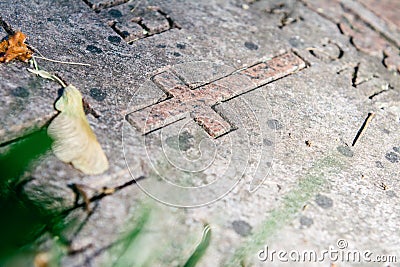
(292, 203)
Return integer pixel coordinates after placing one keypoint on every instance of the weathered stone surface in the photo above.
(233, 66)
(366, 31)
(386, 9)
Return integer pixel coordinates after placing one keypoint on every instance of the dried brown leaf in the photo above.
(15, 48)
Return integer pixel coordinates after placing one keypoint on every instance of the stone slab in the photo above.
(290, 136)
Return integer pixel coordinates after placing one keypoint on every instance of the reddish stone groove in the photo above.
(198, 102)
(388, 10)
(354, 25)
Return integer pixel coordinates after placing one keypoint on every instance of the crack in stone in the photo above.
(389, 87)
(6, 26)
(363, 128)
(355, 75)
(103, 5)
(378, 93)
(171, 22)
(324, 53)
(104, 193)
(287, 17)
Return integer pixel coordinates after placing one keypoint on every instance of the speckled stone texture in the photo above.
(270, 95)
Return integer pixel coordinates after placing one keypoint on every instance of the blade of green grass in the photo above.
(200, 248)
(130, 238)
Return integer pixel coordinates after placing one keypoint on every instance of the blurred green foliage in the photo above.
(23, 220)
